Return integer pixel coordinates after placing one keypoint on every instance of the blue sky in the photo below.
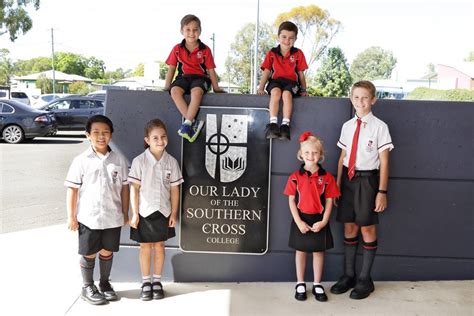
(125, 33)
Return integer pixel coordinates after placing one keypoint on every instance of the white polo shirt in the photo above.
(100, 181)
(374, 138)
(155, 177)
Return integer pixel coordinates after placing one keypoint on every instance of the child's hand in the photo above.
(260, 92)
(318, 226)
(380, 202)
(304, 94)
(335, 201)
(218, 90)
(172, 220)
(134, 221)
(72, 224)
(303, 227)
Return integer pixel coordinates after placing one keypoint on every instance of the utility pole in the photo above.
(52, 60)
(213, 38)
(255, 56)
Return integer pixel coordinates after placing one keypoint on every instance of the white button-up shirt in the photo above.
(374, 138)
(99, 180)
(155, 177)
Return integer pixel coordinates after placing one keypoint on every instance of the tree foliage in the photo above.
(139, 70)
(240, 61)
(373, 63)
(441, 95)
(333, 78)
(79, 87)
(14, 18)
(470, 57)
(46, 85)
(6, 67)
(315, 26)
(37, 64)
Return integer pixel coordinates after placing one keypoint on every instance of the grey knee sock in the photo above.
(350, 252)
(105, 264)
(87, 270)
(368, 255)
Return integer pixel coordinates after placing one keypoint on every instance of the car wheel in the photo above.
(13, 134)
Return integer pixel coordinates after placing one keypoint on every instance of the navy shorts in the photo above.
(357, 201)
(153, 228)
(187, 83)
(311, 241)
(284, 85)
(91, 241)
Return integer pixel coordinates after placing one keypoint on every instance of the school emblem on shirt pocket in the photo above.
(114, 177)
(226, 152)
(370, 146)
(167, 177)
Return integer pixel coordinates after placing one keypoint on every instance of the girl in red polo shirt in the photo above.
(310, 192)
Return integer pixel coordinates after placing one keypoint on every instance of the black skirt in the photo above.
(153, 228)
(311, 241)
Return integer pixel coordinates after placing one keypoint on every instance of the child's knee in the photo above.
(369, 233)
(350, 229)
(177, 92)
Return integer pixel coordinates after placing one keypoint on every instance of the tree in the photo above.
(163, 69)
(315, 26)
(6, 67)
(79, 87)
(14, 18)
(95, 68)
(70, 63)
(46, 85)
(239, 62)
(37, 64)
(470, 57)
(373, 63)
(333, 78)
(139, 70)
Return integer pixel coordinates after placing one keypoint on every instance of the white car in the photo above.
(15, 95)
(41, 100)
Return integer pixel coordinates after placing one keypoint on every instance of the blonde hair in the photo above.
(315, 141)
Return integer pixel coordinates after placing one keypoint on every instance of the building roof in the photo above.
(466, 67)
(58, 76)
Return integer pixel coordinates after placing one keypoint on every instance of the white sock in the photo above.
(187, 122)
(285, 121)
(300, 288)
(274, 119)
(318, 290)
(156, 278)
(145, 279)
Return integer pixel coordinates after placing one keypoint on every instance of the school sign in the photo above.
(225, 194)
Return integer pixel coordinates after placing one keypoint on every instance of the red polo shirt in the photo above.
(311, 190)
(191, 63)
(284, 66)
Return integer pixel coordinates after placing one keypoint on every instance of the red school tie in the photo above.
(352, 158)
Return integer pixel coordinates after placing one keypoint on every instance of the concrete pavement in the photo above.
(40, 275)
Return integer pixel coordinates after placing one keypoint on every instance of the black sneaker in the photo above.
(91, 294)
(108, 291)
(158, 292)
(285, 132)
(146, 294)
(272, 131)
(344, 284)
(362, 289)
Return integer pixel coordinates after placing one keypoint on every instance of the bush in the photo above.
(79, 87)
(441, 95)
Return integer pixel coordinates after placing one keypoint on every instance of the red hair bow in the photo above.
(305, 136)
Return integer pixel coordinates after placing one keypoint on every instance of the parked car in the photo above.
(19, 122)
(73, 112)
(41, 100)
(15, 95)
(99, 94)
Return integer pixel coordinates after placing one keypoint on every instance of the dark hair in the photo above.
(366, 85)
(155, 123)
(288, 26)
(99, 119)
(188, 18)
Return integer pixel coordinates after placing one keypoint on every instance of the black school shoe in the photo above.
(158, 292)
(362, 289)
(146, 295)
(322, 297)
(91, 295)
(285, 132)
(107, 290)
(344, 284)
(300, 296)
(272, 131)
